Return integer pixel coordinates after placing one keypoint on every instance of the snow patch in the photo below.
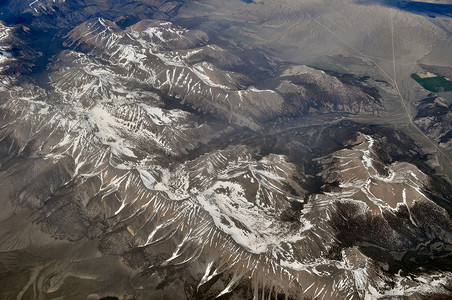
(108, 130)
(164, 117)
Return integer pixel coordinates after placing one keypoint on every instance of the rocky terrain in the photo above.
(434, 117)
(144, 155)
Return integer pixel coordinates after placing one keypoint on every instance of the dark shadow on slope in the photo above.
(431, 10)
